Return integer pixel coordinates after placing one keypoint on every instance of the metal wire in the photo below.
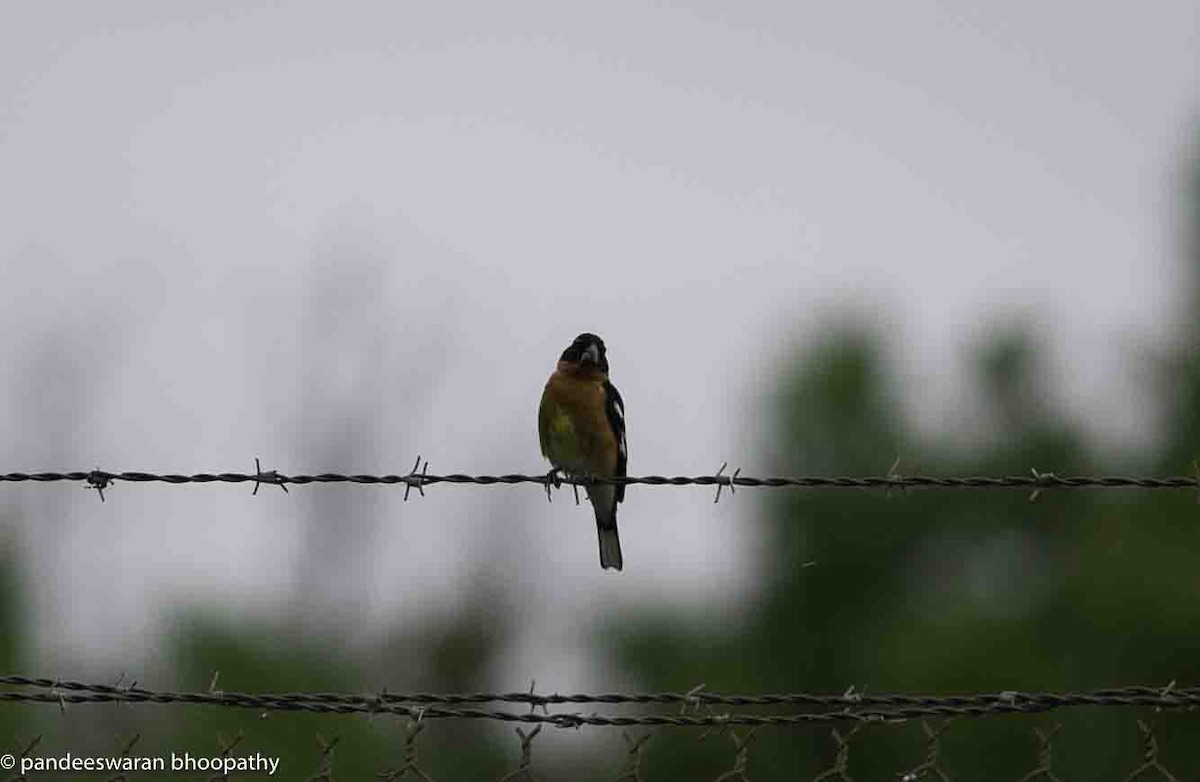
(850, 707)
(857, 710)
(419, 478)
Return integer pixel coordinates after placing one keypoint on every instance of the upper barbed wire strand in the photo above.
(1032, 481)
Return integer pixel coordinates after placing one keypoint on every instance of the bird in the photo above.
(581, 428)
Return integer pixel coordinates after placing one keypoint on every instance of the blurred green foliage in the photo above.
(15, 642)
(938, 591)
(952, 591)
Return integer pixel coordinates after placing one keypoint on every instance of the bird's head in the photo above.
(587, 352)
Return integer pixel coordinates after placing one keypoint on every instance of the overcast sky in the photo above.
(217, 220)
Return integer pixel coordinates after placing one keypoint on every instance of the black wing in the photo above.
(614, 408)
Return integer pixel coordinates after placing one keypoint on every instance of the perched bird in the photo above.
(581, 426)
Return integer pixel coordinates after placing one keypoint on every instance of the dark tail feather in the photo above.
(610, 547)
(604, 500)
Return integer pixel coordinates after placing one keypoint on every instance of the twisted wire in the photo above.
(1034, 480)
(854, 707)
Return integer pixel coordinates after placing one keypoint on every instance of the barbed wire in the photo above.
(848, 707)
(934, 762)
(419, 478)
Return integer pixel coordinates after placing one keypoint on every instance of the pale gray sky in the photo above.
(700, 185)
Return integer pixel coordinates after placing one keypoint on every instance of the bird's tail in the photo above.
(604, 500)
(610, 547)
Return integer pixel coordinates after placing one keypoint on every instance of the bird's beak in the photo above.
(591, 355)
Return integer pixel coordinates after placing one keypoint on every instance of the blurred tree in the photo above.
(446, 653)
(15, 634)
(948, 591)
(315, 641)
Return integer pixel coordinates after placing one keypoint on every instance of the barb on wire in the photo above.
(723, 481)
(1043, 479)
(692, 698)
(121, 679)
(419, 478)
(413, 479)
(99, 481)
(269, 477)
(894, 474)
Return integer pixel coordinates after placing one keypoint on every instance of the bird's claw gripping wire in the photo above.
(587, 478)
(553, 478)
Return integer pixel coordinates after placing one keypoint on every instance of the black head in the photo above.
(588, 350)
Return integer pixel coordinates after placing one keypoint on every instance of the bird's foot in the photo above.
(586, 479)
(553, 478)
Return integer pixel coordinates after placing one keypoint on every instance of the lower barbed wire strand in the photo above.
(841, 708)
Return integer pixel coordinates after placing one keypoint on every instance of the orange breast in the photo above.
(587, 443)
